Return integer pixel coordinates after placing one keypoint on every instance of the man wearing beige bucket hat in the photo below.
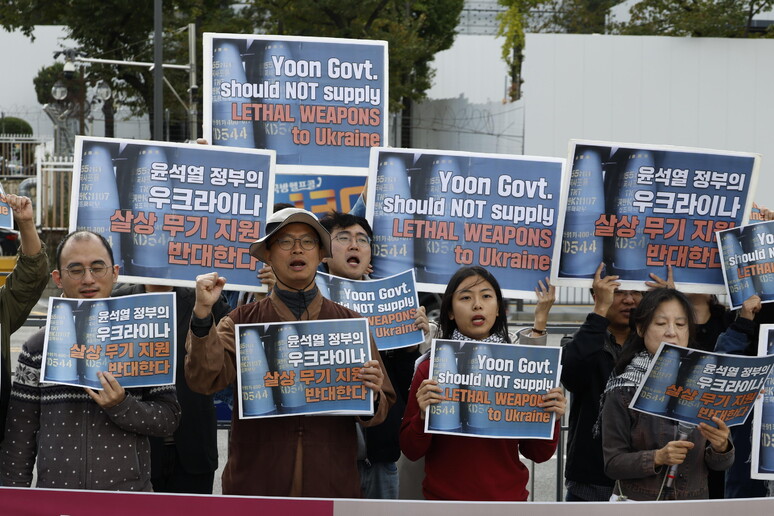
(293, 455)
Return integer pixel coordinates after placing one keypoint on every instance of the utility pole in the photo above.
(158, 73)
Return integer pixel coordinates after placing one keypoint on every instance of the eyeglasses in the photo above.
(77, 272)
(345, 238)
(307, 243)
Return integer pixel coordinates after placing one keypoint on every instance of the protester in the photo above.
(82, 438)
(587, 360)
(186, 461)
(351, 258)
(21, 291)
(639, 448)
(293, 455)
(741, 338)
(467, 467)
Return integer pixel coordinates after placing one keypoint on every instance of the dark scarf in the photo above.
(297, 301)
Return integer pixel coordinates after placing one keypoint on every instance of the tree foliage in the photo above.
(119, 30)
(116, 29)
(13, 125)
(697, 18)
(415, 31)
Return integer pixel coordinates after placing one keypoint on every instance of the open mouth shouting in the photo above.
(478, 320)
(297, 264)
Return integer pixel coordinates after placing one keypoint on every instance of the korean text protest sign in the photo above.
(639, 208)
(318, 102)
(763, 419)
(492, 390)
(694, 386)
(436, 211)
(319, 193)
(390, 304)
(305, 367)
(173, 211)
(747, 254)
(131, 337)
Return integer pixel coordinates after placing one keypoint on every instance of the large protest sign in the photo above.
(436, 211)
(319, 193)
(694, 386)
(492, 390)
(747, 255)
(639, 208)
(763, 419)
(173, 211)
(318, 102)
(304, 367)
(131, 337)
(390, 304)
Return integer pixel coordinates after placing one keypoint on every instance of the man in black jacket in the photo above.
(351, 258)
(186, 461)
(587, 361)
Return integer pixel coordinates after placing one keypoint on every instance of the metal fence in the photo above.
(55, 175)
(17, 155)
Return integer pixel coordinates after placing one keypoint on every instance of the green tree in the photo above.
(697, 18)
(116, 29)
(577, 16)
(514, 22)
(415, 31)
(120, 30)
(13, 125)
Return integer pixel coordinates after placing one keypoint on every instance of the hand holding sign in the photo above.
(372, 375)
(554, 401)
(717, 437)
(429, 393)
(604, 291)
(111, 394)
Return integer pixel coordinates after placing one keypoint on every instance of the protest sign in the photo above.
(693, 386)
(173, 211)
(6, 213)
(763, 419)
(436, 211)
(319, 193)
(390, 304)
(319, 102)
(131, 337)
(747, 256)
(639, 208)
(492, 390)
(303, 367)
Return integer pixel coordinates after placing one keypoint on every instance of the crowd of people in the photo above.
(164, 438)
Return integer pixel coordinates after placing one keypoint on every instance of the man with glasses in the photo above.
(21, 291)
(587, 361)
(351, 237)
(82, 438)
(292, 455)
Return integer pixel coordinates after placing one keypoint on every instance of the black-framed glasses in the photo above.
(77, 272)
(346, 238)
(307, 243)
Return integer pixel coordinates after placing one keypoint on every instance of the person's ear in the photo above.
(57, 277)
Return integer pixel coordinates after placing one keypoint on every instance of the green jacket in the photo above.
(18, 297)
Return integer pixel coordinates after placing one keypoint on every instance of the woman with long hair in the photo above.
(640, 448)
(467, 467)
